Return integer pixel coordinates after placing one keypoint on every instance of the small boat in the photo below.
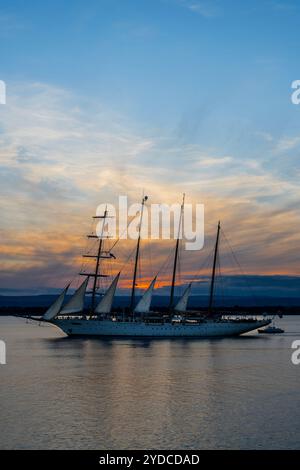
(271, 330)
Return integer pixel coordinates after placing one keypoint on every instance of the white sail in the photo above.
(76, 302)
(143, 306)
(105, 304)
(54, 309)
(181, 305)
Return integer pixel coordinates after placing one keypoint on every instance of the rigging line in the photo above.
(86, 263)
(83, 263)
(163, 266)
(204, 264)
(120, 236)
(179, 269)
(166, 264)
(90, 246)
(148, 246)
(220, 280)
(127, 259)
(140, 267)
(70, 282)
(76, 275)
(241, 269)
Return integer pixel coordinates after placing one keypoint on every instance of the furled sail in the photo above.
(105, 304)
(181, 305)
(54, 309)
(76, 302)
(143, 306)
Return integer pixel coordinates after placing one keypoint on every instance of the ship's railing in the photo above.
(244, 317)
(169, 319)
(70, 317)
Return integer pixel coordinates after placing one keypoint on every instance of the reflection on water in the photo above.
(58, 392)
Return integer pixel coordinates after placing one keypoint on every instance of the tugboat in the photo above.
(140, 320)
(271, 330)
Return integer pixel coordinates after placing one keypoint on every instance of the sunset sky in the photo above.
(117, 97)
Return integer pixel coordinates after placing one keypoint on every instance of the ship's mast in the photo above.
(97, 264)
(213, 275)
(98, 256)
(137, 256)
(176, 255)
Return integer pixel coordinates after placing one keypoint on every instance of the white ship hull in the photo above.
(206, 329)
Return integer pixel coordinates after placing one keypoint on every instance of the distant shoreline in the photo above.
(38, 304)
(233, 310)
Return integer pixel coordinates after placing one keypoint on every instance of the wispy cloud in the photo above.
(207, 9)
(10, 23)
(282, 144)
(284, 6)
(286, 144)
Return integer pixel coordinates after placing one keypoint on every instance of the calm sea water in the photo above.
(61, 393)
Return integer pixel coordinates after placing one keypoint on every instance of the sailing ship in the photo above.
(139, 320)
